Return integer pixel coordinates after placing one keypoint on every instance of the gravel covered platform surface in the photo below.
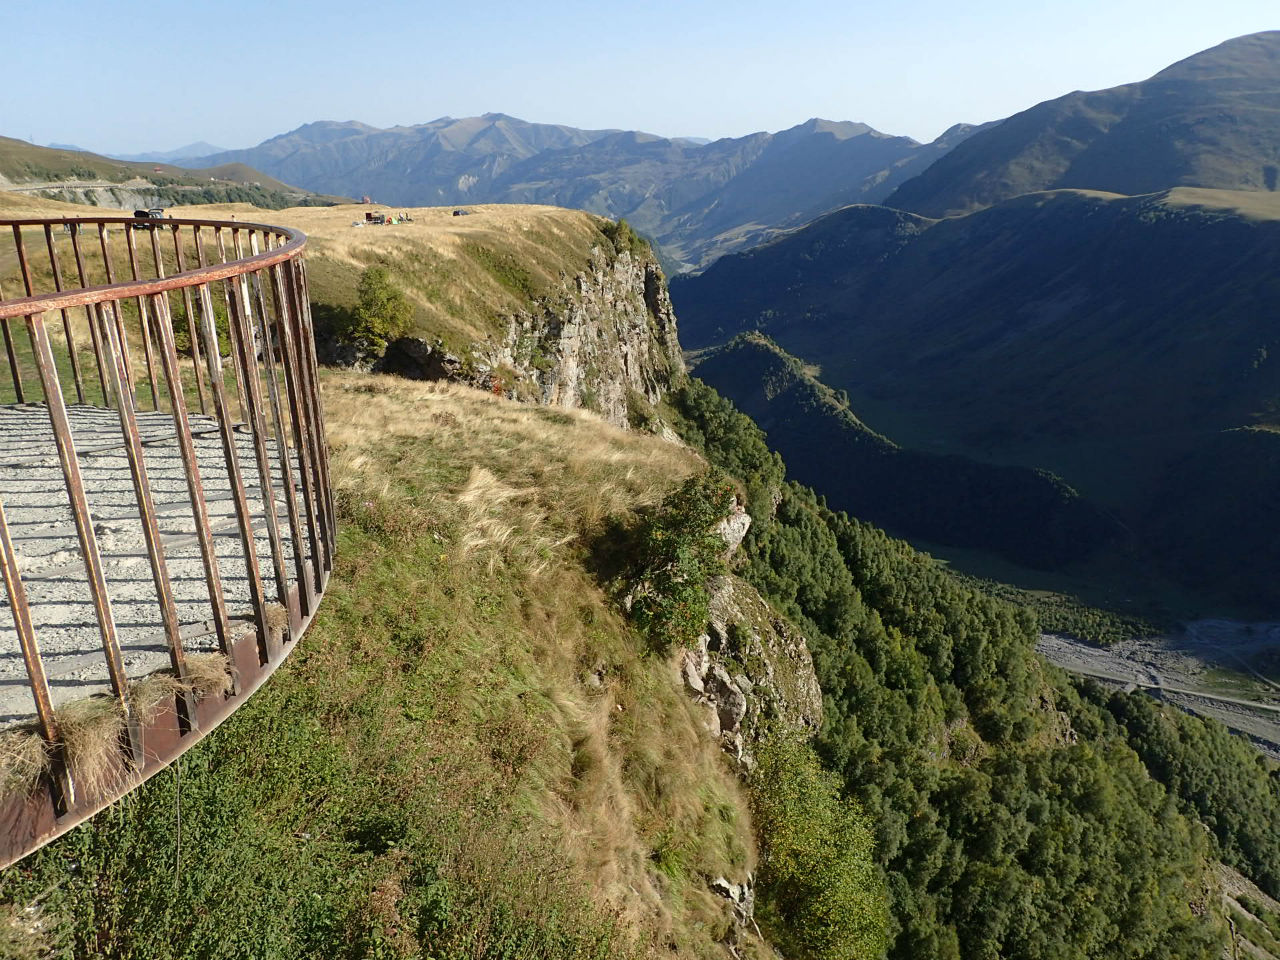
(50, 559)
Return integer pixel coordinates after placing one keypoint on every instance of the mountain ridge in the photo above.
(695, 200)
(1208, 120)
(1105, 338)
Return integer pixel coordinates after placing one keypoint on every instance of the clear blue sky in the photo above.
(126, 76)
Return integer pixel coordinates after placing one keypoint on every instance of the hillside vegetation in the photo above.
(1014, 817)
(462, 274)
(1206, 121)
(470, 755)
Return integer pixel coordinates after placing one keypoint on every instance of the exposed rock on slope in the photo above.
(753, 671)
(607, 337)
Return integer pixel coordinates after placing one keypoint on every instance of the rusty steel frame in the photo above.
(263, 296)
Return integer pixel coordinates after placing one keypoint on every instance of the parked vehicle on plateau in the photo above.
(155, 213)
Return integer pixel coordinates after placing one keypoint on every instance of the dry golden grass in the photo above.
(23, 761)
(91, 730)
(149, 694)
(601, 740)
(1252, 204)
(207, 675)
(432, 258)
(557, 465)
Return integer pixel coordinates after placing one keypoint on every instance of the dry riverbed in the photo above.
(1218, 668)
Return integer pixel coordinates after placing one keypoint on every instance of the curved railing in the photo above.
(166, 518)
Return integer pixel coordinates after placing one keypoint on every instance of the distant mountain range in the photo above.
(1072, 289)
(198, 149)
(1211, 120)
(697, 200)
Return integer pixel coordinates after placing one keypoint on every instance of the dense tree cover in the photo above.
(675, 552)
(821, 895)
(1216, 776)
(1011, 819)
(1063, 613)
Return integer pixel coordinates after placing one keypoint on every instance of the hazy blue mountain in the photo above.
(200, 148)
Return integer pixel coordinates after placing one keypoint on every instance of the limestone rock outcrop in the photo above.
(605, 341)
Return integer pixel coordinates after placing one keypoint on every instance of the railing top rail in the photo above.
(296, 240)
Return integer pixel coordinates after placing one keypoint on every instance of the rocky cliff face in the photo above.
(605, 341)
(753, 673)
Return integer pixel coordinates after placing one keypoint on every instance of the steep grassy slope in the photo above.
(470, 755)
(1104, 338)
(698, 200)
(1207, 121)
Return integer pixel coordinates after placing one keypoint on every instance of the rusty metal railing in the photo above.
(162, 453)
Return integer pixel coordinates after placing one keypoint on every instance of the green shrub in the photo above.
(381, 313)
(821, 894)
(624, 238)
(679, 552)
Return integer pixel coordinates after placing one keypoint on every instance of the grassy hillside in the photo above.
(471, 754)
(1103, 338)
(462, 274)
(1207, 121)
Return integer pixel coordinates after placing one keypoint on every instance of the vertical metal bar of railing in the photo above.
(90, 312)
(228, 296)
(301, 429)
(195, 487)
(15, 369)
(46, 722)
(74, 483)
(151, 530)
(281, 436)
(213, 360)
(117, 313)
(144, 317)
(193, 325)
(306, 393)
(242, 340)
(309, 361)
(56, 269)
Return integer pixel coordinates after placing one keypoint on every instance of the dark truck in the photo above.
(155, 213)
